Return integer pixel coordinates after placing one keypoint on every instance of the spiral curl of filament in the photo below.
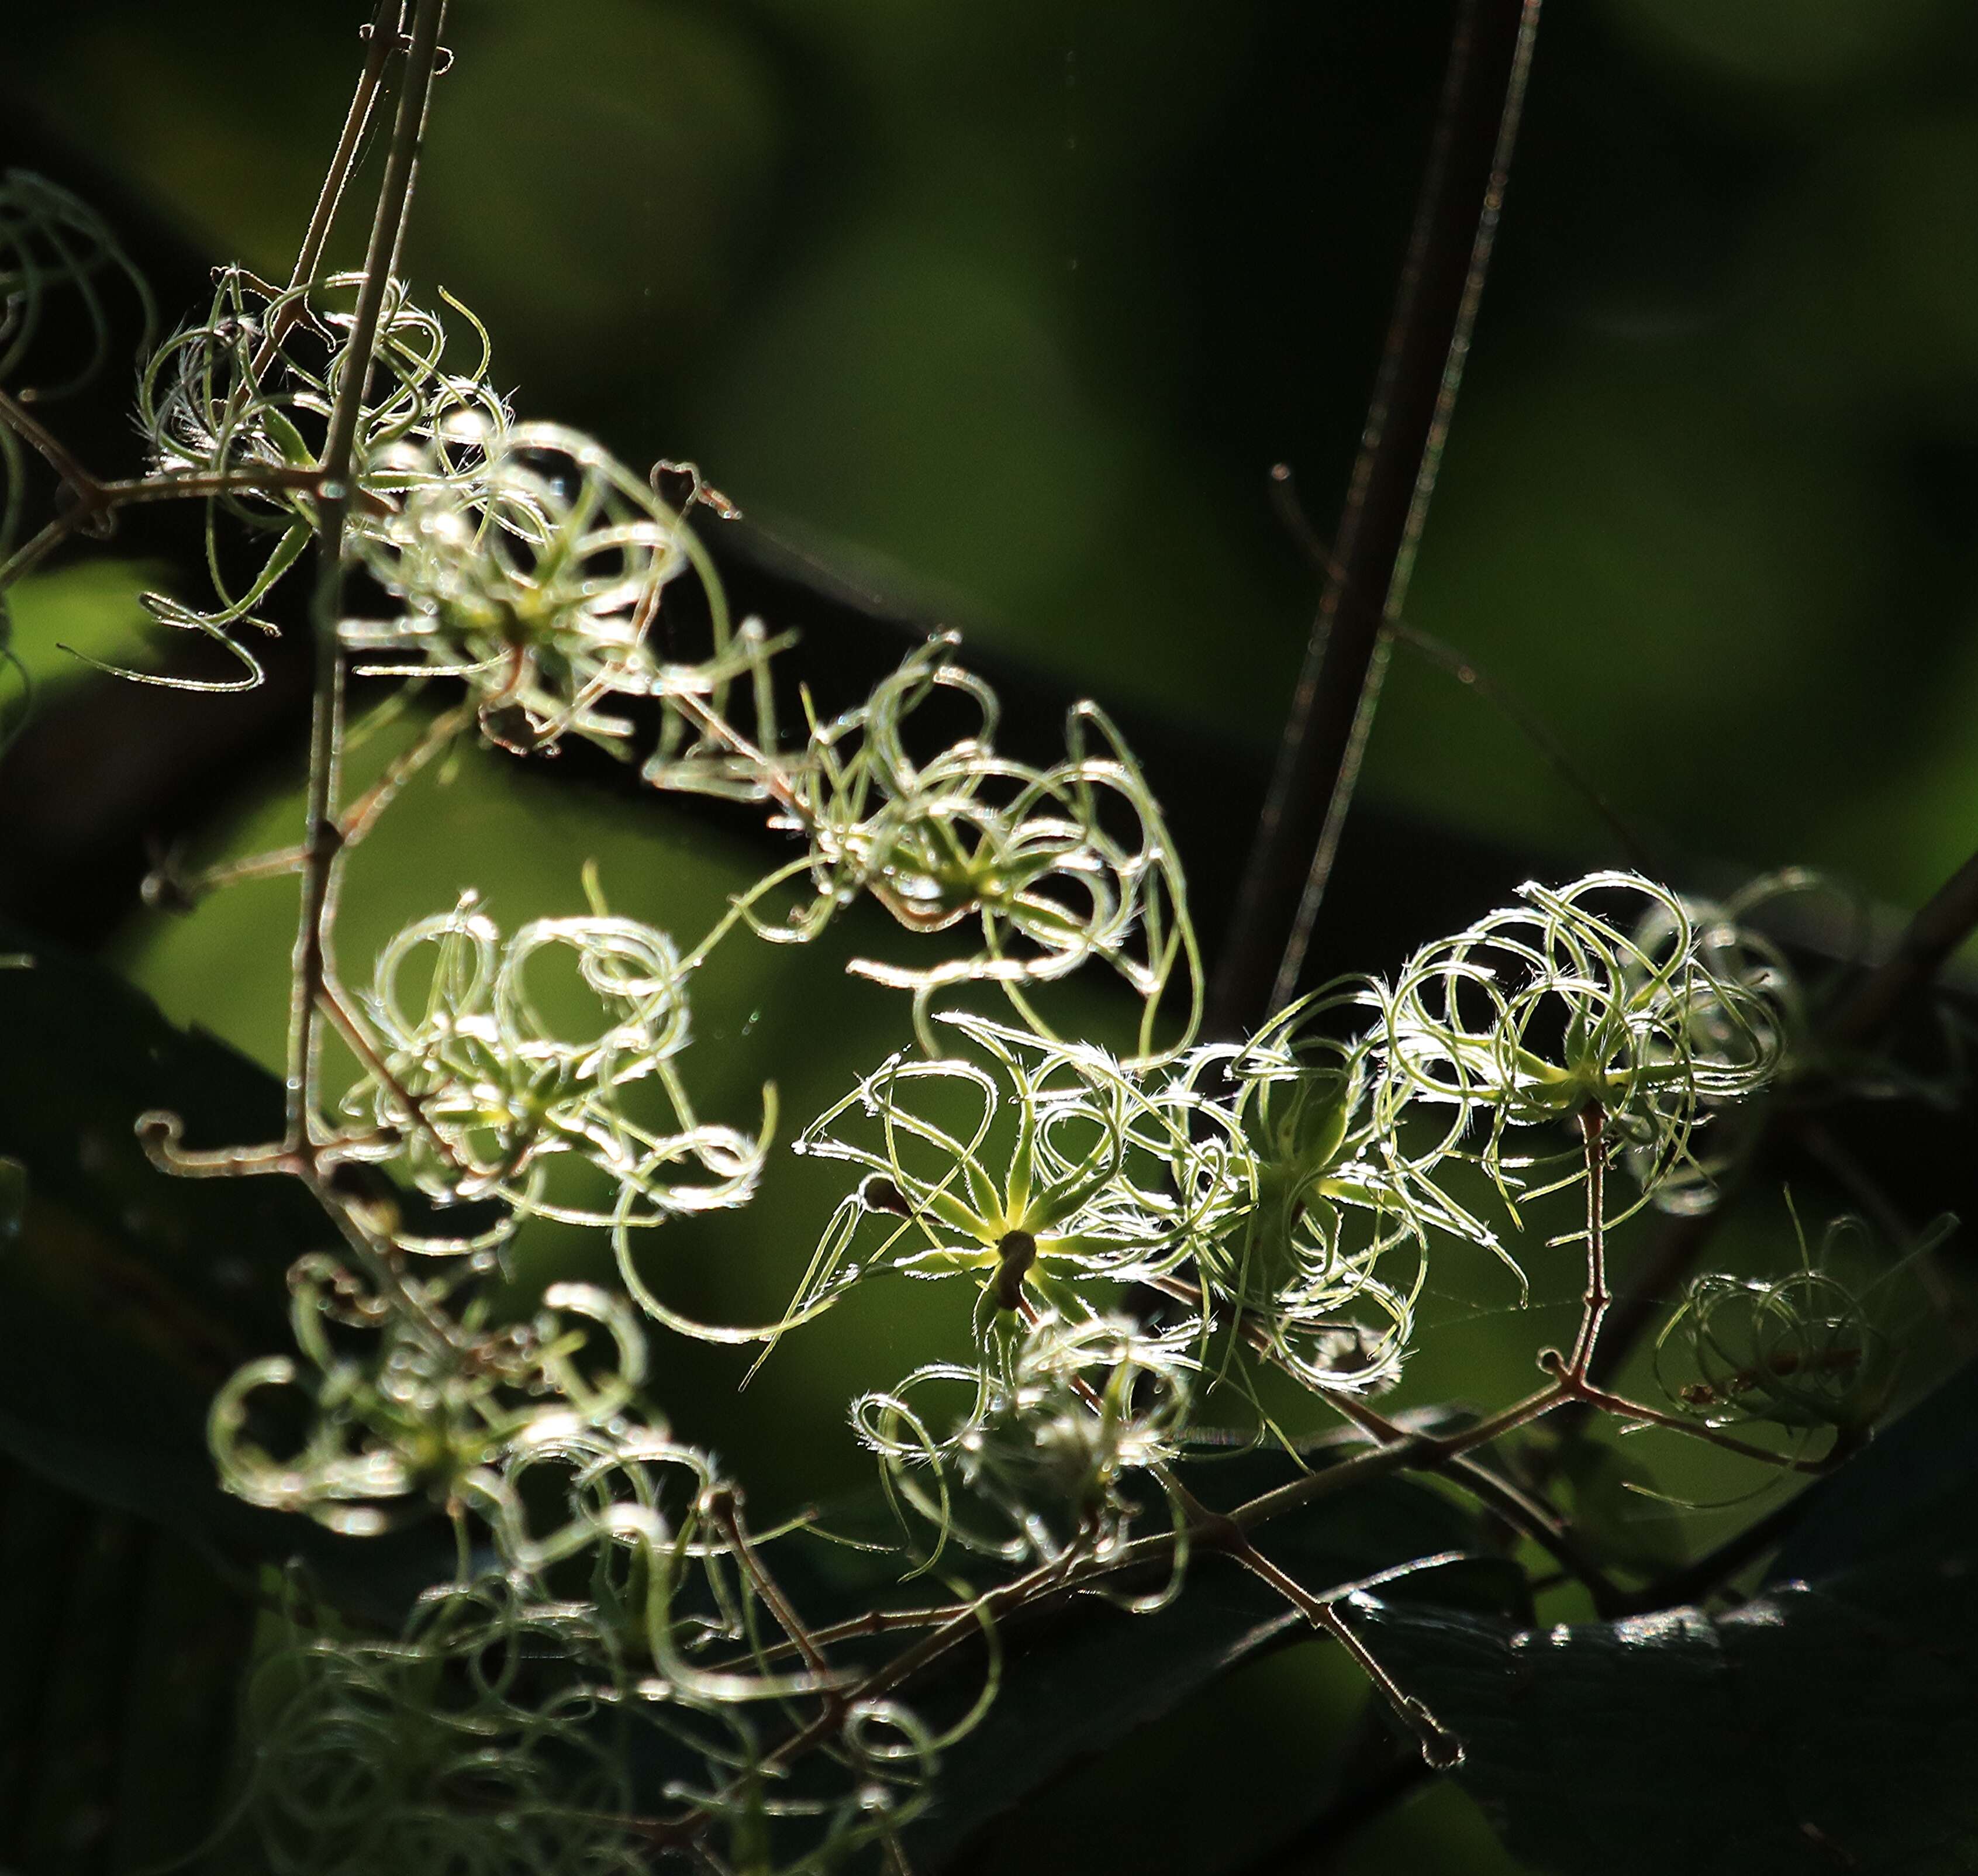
(1084, 1191)
(1541, 1011)
(505, 1095)
(534, 571)
(1062, 1418)
(57, 256)
(1056, 867)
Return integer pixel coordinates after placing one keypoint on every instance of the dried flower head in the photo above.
(1058, 1423)
(1053, 867)
(505, 1092)
(1081, 1187)
(528, 560)
(1543, 1012)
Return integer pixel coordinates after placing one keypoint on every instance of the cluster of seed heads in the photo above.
(1052, 867)
(1286, 1192)
(1050, 1437)
(486, 1094)
(1140, 1225)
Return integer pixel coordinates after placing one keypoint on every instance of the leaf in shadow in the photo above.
(1829, 1723)
(130, 1295)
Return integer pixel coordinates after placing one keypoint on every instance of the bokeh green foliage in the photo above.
(1026, 299)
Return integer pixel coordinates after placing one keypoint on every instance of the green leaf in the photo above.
(1611, 1517)
(129, 1295)
(1830, 1723)
(1911, 1489)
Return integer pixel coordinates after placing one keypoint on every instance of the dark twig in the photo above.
(380, 42)
(322, 840)
(1529, 722)
(1924, 949)
(1414, 395)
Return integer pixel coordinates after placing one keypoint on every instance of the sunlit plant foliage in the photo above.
(1137, 1231)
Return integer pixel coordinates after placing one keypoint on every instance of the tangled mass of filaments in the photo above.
(609, 1667)
(1286, 1192)
(1264, 1193)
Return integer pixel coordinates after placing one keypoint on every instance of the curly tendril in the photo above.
(1056, 1424)
(1805, 1350)
(1541, 1012)
(1083, 1189)
(57, 256)
(505, 1093)
(244, 397)
(536, 575)
(1054, 867)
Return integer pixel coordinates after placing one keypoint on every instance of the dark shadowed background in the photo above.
(1004, 313)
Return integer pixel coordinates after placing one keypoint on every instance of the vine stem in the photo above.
(1387, 504)
(1592, 1127)
(1527, 1516)
(380, 44)
(950, 1626)
(323, 840)
(724, 1506)
(164, 886)
(1440, 1747)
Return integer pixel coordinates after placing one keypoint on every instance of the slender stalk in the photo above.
(951, 1627)
(1440, 1747)
(1944, 923)
(322, 838)
(1414, 396)
(53, 450)
(1529, 722)
(724, 1506)
(165, 886)
(350, 1026)
(381, 41)
(1525, 1515)
(1593, 1124)
(93, 508)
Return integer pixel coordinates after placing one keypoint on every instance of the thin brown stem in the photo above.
(1414, 397)
(165, 886)
(323, 841)
(381, 41)
(1529, 722)
(95, 503)
(1623, 1408)
(31, 431)
(724, 1506)
(351, 1027)
(1527, 1516)
(773, 782)
(1440, 1747)
(950, 1627)
(1592, 1127)
(876, 1623)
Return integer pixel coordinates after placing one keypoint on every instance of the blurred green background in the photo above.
(1012, 307)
